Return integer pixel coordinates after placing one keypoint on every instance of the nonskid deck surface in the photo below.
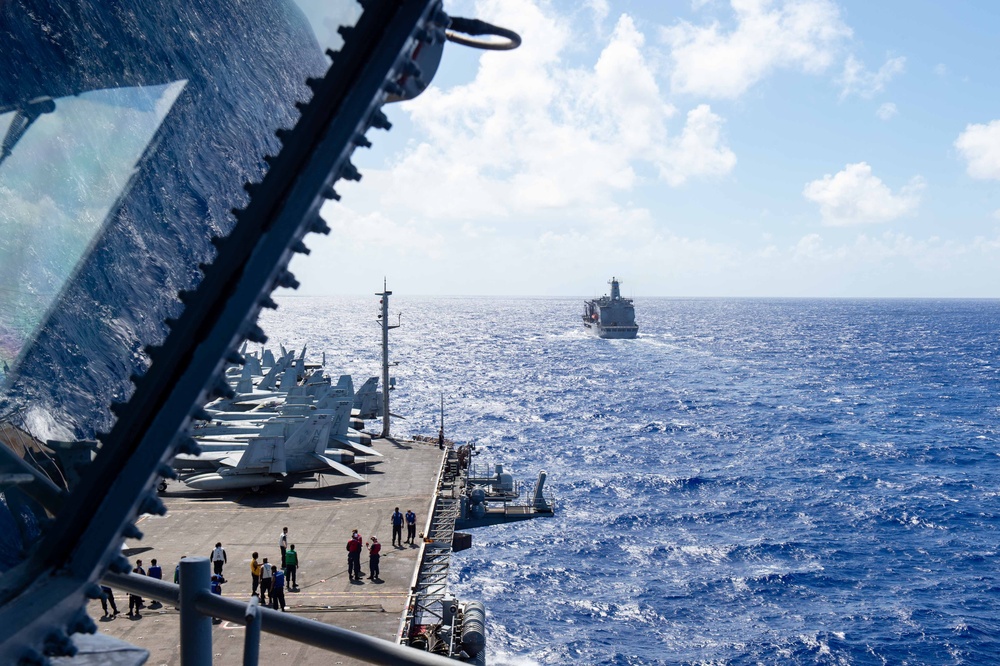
(319, 516)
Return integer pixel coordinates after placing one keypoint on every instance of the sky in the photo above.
(749, 148)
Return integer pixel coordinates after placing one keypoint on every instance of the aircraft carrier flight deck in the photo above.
(320, 516)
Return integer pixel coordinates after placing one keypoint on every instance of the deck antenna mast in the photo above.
(384, 320)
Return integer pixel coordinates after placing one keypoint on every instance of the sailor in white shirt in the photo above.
(218, 558)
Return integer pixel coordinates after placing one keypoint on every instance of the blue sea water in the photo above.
(748, 482)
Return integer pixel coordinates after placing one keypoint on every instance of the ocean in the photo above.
(751, 481)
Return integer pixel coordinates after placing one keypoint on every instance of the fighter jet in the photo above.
(268, 457)
(236, 426)
(367, 400)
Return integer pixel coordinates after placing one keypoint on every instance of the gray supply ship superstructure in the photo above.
(610, 316)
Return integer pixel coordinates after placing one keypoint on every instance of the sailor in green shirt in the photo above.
(291, 564)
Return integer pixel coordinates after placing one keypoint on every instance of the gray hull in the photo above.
(613, 332)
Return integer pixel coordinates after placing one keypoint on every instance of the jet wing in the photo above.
(208, 460)
(343, 469)
(360, 448)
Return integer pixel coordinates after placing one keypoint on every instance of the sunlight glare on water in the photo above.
(750, 481)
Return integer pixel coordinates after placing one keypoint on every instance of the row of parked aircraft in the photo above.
(286, 422)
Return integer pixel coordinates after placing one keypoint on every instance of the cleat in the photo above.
(350, 172)
(130, 531)
(380, 121)
(287, 280)
(256, 334)
(188, 446)
(319, 226)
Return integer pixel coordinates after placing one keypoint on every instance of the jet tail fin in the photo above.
(254, 363)
(264, 453)
(341, 418)
(288, 379)
(310, 437)
(269, 383)
(345, 383)
(245, 385)
(366, 399)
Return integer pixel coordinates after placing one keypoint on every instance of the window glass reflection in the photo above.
(56, 189)
(108, 201)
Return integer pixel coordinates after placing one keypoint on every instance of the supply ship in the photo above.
(610, 316)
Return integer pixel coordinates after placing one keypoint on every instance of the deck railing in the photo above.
(198, 606)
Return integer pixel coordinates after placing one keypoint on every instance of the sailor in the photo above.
(354, 556)
(155, 570)
(283, 545)
(411, 526)
(177, 572)
(265, 581)
(134, 600)
(254, 574)
(177, 576)
(216, 589)
(291, 565)
(278, 590)
(441, 438)
(373, 557)
(218, 558)
(108, 597)
(397, 528)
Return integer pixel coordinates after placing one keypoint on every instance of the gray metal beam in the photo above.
(196, 629)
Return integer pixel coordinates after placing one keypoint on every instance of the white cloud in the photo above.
(600, 9)
(881, 250)
(887, 111)
(697, 152)
(979, 145)
(855, 196)
(531, 132)
(857, 80)
(808, 248)
(941, 69)
(707, 60)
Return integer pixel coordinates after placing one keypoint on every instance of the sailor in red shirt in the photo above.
(354, 556)
(373, 557)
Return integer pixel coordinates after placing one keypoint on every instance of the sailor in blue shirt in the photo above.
(216, 589)
(411, 526)
(278, 590)
(397, 528)
(155, 571)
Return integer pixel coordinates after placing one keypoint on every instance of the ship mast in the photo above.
(616, 293)
(384, 320)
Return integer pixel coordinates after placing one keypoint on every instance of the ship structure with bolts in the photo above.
(185, 167)
(611, 316)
